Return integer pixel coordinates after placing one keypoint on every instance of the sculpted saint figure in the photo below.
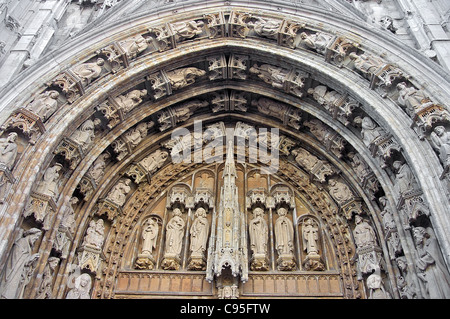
(174, 233)
(370, 131)
(97, 169)
(130, 100)
(431, 265)
(366, 63)
(45, 287)
(364, 233)
(411, 98)
(199, 232)
(95, 234)
(187, 30)
(317, 41)
(84, 135)
(8, 150)
(258, 232)
(20, 265)
(404, 179)
(119, 192)
(265, 28)
(45, 104)
(49, 184)
(154, 161)
(82, 288)
(149, 236)
(270, 74)
(181, 78)
(376, 288)
(310, 234)
(284, 233)
(89, 71)
(340, 191)
(440, 140)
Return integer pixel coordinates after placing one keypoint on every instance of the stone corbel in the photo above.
(205, 196)
(338, 50)
(215, 25)
(238, 67)
(69, 84)
(86, 187)
(426, 116)
(384, 147)
(108, 208)
(256, 196)
(179, 195)
(111, 111)
(412, 205)
(41, 207)
(159, 85)
(28, 122)
(115, 55)
(89, 258)
(352, 207)
(71, 151)
(217, 67)
(287, 35)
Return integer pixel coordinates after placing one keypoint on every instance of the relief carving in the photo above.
(45, 104)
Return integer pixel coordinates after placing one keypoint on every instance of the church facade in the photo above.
(225, 149)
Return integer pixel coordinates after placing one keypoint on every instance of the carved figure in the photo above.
(174, 233)
(405, 181)
(45, 104)
(366, 63)
(340, 191)
(20, 265)
(270, 74)
(49, 184)
(181, 78)
(82, 288)
(136, 135)
(411, 98)
(431, 265)
(440, 140)
(317, 42)
(258, 233)
(265, 28)
(199, 232)
(149, 236)
(154, 161)
(95, 234)
(8, 150)
(89, 71)
(97, 169)
(370, 131)
(45, 287)
(364, 233)
(130, 100)
(134, 46)
(119, 192)
(84, 135)
(187, 30)
(310, 235)
(284, 233)
(376, 288)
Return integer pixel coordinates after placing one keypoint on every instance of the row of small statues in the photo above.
(199, 232)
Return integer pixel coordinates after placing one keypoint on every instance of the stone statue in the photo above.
(97, 169)
(405, 181)
(20, 265)
(199, 233)
(366, 63)
(270, 74)
(388, 220)
(82, 288)
(258, 233)
(364, 233)
(376, 288)
(370, 131)
(187, 30)
(66, 229)
(405, 284)
(183, 77)
(135, 135)
(154, 161)
(150, 236)
(130, 100)
(284, 233)
(84, 135)
(317, 42)
(45, 287)
(87, 72)
(310, 235)
(49, 183)
(430, 264)
(411, 98)
(95, 234)
(174, 234)
(118, 194)
(134, 46)
(8, 150)
(265, 28)
(45, 104)
(340, 191)
(440, 140)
